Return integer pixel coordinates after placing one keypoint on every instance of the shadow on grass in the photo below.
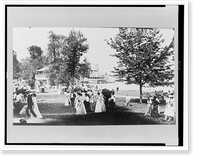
(115, 116)
(55, 108)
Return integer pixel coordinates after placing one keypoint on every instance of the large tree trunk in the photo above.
(140, 93)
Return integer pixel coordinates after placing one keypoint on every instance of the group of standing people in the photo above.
(30, 108)
(89, 101)
(153, 107)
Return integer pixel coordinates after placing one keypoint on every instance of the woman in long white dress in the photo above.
(67, 100)
(169, 108)
(149, 107)
(35, 107)
(100, 106)
(128, 99)
(79, 105)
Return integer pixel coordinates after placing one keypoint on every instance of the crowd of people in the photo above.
(87, 101)
(153, 104)
(91, 101)
(26, 105)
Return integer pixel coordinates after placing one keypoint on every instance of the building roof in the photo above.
(43, 69)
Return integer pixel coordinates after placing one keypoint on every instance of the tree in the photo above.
(57, 69)
(30, 64)
(142, 59)
(26, 68)
(64, 54)
(84, 68)
(16, 66)
(35, 52)
(74, 47)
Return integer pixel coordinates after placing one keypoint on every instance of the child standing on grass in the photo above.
(67, 101)
(127, 100)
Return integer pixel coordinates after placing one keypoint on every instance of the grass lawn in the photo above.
(52, 107)
(134, 93)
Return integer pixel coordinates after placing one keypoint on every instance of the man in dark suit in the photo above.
(30, 106)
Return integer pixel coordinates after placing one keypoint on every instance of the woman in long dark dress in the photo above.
(155, 103)
(87, 103)
(17, 103)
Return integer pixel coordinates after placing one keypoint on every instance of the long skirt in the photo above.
(98, 107)
(103, 107)
(169, 111)
(92, 106)
(148, 112)
(87, 106)
(154, 112)
(67, 101)
(80, 109)
(18, 106)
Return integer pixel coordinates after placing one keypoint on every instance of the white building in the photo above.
(41, 78)
(97, 77)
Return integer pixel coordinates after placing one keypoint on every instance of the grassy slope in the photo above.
(52, 106)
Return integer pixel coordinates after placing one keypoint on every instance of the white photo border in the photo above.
(101, 148)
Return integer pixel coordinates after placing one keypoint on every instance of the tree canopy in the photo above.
(30, 64)
(142, 58)
(64, 53)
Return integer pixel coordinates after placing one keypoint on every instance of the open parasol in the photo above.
(77, 89)
(23, 91)
(106, 93)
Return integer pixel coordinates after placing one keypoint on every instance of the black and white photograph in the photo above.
(93, 76)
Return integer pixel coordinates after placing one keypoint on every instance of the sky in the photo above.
(99, 52)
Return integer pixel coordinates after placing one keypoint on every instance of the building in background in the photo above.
(96, 76)
(42, 79)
